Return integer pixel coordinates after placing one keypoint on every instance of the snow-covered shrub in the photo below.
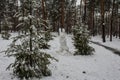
(5, 35)
(81, 40)
(5, 26)
(28, 64)
(30, 61)
(27, 47)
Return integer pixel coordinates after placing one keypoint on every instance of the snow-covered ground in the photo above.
(103, 65)
(114, 44)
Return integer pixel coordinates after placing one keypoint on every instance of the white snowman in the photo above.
(63, 44)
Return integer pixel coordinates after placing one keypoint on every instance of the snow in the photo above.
(19, 3)
(103, 65)
(78, 2)
(114, 44)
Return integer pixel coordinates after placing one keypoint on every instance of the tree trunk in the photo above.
(62, 14)
(0, 26)
(111, 25)
(75, 17)
(117, 20)
(107, 24)
(44, 14)
(91, 18)
(119, 28)
(93, 28)
(81, 7)
(30, 25)
(15, 23)
(84, 16)
(102, 20)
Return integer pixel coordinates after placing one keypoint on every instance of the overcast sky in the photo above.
(78, 2)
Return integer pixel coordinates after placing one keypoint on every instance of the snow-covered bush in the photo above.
(81, 40)
(27, 47)
(28, 64)
(5, 35)
(5, 26)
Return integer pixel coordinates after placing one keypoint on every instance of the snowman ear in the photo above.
(63, 29)
(59, 30)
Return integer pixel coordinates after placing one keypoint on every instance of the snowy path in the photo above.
(114, 44)
(103, 65)
(116, 51)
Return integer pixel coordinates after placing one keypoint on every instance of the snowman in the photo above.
(63, 44)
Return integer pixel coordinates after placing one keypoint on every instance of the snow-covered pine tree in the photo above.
(46, 36)
(8, 10)
(5, 35)
(30, 60)
(5, 29)
(81, 40)
(2, 10)
(45, 17)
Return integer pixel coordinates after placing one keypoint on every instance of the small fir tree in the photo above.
(30, 60)
(47, 35)
(5, 35)
(81, 40)
(6, 25)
